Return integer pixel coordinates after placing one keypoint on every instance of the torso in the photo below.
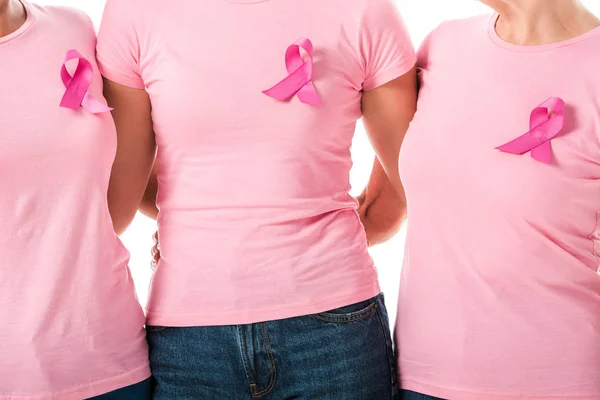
(500, 295)
(72, 327)
(256, 221)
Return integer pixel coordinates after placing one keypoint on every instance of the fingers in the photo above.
(155, 252)
(361, 198)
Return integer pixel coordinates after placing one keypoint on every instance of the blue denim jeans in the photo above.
(408, 395)
(343, 354)
(139, 391)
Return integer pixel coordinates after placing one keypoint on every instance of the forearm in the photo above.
(377, 181)
(148, 206)
(136, 150)
(125, 194)
(387, 113)
(384, 209)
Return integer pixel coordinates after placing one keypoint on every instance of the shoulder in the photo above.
(130, 8)
(66, 18)
(128, 15)
(452, 35)
(585, 56)
(461, 28)
(376, 9)
(359, 11)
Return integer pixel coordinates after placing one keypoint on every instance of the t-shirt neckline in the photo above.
(28, 22)
(535, 49)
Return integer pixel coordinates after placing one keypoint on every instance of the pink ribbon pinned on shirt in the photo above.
(546, 121)
(299, 80)
(78, 85)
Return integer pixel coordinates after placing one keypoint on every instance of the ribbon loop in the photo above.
(299, 80)
(77, 86)
(546, 121)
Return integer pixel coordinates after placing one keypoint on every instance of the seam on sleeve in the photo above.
(120, 78)
(390, 73)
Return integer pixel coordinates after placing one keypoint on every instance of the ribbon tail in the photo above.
(289, 86)
(281, 91)
(543, 152)
(520, 145)
(73, 95)
(308, 95)
(69, 101)
(93, 105)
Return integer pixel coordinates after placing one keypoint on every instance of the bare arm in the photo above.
(387, 112)
(135, 152)
(148, 206)
(381, 209)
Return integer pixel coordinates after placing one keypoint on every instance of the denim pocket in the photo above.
(387, 333)
(351, 313)
(153, 329)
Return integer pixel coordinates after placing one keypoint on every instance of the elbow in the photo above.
(149, 210)
(121, 217)
(120, 225)
(396, 220)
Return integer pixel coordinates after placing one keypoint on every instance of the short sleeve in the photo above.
(118, 49)
(423, 54)
(386, 48)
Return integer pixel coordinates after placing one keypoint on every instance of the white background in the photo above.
(421, 17)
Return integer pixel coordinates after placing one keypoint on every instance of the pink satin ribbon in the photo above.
(299, 80)
(546, 121)
(77, 86)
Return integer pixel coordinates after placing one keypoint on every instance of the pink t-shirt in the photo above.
(71, 326)
(255, 221)
(500, 292)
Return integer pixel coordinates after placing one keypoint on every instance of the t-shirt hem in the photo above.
(255, 316)
(453, 394)
(119, 78)
(390, 74)
(93, 389)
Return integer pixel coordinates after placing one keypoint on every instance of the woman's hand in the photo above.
(148, 206)
(383, 216)
(380, 208)
(155, 251)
